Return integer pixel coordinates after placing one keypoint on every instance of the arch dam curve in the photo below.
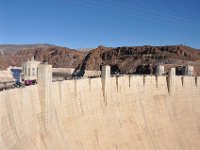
(131, 113)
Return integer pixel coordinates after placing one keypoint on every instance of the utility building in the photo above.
(29, 69)
(188, 70)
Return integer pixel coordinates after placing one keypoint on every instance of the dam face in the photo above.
(121, 113)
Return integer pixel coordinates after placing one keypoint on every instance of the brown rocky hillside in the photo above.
(57, 56)
(121, 59)
(7, 50)
(134, 59)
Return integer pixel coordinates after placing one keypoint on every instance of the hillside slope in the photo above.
(128, 59)
(57, 56)
(122, 59)
(7, 50)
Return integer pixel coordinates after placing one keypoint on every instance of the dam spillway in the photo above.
(117, 113)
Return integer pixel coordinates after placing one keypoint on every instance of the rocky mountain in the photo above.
(7, 50)
(137, 59)
(57, 56)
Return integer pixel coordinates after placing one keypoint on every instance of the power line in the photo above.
(153, 12)
(139, 13)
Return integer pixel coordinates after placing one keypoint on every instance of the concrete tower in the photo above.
(171, 79)
(172, 72)
(188, 70)
(160, 70)
(105, 76)
(44, 89)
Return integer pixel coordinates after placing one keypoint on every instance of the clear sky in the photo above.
(89, 23)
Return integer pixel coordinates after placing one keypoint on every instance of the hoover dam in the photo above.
(130, 112)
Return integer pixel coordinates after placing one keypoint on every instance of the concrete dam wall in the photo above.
(114, 113)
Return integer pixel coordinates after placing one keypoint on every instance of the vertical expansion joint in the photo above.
(143, 79)
(196, 81)
(182, 80)
(157, 81)
(117, 82)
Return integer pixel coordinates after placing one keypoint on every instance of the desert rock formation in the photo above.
(59, 57)
(132, 59)
(122, 59)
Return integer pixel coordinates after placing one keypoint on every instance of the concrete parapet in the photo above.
(95, 83)
(83, 83)
(122, 82)
(44, 89)
(161, 84)
(136, 80)
(188, 81)
(149, 80)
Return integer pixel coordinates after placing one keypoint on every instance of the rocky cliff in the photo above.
(8, 50)
(132, 59)
(122, 59)
(57, 56)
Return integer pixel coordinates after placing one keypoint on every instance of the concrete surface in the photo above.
(139, 114)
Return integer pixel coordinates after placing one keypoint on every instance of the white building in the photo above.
(188, 70)
(29, 69)
(160, 70)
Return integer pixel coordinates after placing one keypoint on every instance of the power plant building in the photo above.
(29, 69)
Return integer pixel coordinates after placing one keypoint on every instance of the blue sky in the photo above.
(89, 23)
